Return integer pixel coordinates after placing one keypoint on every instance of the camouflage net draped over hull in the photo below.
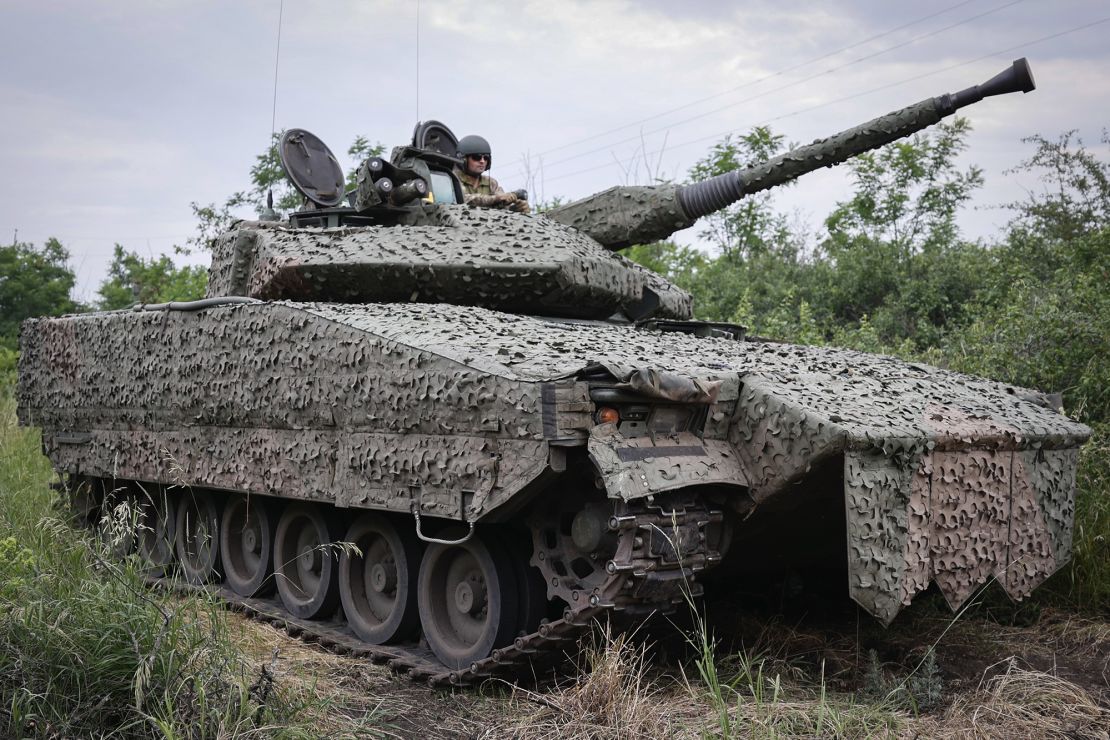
(947, 478)
(272, 399)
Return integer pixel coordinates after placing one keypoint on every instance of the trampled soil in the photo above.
(799, 644)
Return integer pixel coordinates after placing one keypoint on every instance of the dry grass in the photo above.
(613, 696)
(1020, 703)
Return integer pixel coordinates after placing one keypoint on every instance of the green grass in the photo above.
(87, 651)
(758, 694)
(1084, 584)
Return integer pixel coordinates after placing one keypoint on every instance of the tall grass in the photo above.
(87, 651)
(1084, 585)
(756, 693)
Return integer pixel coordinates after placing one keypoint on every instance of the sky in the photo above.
(118, 115)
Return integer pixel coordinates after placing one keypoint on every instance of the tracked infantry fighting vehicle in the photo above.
(521, 430)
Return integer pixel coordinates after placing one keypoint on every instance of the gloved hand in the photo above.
(506, 200)
(521, 206)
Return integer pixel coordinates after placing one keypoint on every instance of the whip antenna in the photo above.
(417, 60)
(269, 214)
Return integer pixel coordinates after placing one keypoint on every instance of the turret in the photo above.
(404, 235)
(622, 216)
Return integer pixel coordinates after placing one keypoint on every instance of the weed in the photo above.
(611, 697)
(86, 650)
(920, 691)
(1021, 703)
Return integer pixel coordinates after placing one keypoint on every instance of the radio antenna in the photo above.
(269, 214)
(418, 60)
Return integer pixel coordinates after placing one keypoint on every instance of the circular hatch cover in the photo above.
(311, 167)
(436, 137)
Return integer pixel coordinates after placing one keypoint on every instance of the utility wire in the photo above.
(787, 86)
(880, 88)
(772, 75)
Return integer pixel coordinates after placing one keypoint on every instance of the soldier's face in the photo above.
(476, 164)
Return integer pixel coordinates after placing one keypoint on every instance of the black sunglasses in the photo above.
(479, 157)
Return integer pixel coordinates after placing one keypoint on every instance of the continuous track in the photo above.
(651, 576)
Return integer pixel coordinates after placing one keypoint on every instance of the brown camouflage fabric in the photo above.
(476, 185)
(479, 190)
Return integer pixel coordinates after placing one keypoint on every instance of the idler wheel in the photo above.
(305, 567)
(197, 542)
(467, 599)
(378, 587)
(157, 529)
(247, 545)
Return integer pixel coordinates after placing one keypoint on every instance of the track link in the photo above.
(652, 578)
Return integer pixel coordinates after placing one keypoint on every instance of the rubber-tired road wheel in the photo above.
(197, 541)
(305, 566)
(247, 545)
(157, 529)
(378, 587)
(467, 598)
(117, 519)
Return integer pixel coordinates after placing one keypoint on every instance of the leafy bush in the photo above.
(87, 651)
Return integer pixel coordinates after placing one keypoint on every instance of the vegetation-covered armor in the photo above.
(521, 430)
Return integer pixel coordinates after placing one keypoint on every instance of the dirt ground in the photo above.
(999, 672)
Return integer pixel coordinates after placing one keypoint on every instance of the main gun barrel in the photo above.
(622, 216)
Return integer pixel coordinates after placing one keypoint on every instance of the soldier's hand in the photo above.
(506, 200)
(521, 206)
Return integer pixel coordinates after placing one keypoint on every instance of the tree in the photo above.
(680, 265)
(1042, 318)
(132, 279)
(755, 270)
(1076, 197)
(33, 282)
(893, 251)
(359, 151)
(750, 227)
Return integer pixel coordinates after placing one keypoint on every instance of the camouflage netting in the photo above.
(622, 216)
(457, 254)
(947, 478)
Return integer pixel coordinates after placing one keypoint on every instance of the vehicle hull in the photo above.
(459, 413)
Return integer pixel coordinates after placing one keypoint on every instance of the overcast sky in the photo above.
(117, 115)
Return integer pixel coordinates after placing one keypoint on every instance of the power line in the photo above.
(756, 81)
(880, 88)
(780, 88)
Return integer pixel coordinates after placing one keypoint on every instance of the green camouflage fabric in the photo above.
(480, 190)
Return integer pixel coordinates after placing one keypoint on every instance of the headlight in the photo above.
(669, 419)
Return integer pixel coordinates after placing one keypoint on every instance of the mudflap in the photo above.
(957, 518)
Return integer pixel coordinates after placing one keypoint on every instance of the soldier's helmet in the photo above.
(473, 144)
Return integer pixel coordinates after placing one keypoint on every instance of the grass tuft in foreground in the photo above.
(1021, 703)
(87, 651)
(612, 697)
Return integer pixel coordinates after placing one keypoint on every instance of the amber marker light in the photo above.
(608, 415)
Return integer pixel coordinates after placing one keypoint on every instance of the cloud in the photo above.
(118, 115)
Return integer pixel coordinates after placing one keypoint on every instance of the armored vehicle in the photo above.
(452, 437)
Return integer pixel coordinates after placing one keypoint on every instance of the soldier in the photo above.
(479, 188)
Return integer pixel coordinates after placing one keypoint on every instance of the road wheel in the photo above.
(116, 522)
(305, 567)
(157, 529)
(247, 545)
(378, 587)
(198, 536)
(467, 599)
